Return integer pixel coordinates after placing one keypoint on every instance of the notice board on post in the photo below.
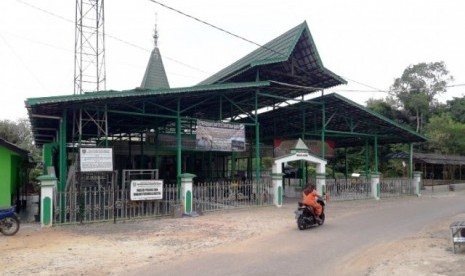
(96, 159)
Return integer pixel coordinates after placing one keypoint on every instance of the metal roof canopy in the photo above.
(291, 58)
(291, 68)
(135, 111)
(346, 123)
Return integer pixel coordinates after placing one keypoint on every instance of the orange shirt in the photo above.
(310, 199)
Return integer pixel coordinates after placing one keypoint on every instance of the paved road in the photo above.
(293, 252)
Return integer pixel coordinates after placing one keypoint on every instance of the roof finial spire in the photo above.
(155, 32)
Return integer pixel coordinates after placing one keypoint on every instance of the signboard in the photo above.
(146, 189)
(219, 136)
(96, 159)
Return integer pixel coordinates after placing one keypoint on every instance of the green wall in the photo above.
(10, 175)
(47, 155)
(5, 177)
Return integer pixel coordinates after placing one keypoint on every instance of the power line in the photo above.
(363, 91)
(46, 11)
(456, 85)
(211, 25)
(147, 50)
(37, 42)
(225, 31)
(111, 36)
(369, 86)
(267, 48)
(22, 62)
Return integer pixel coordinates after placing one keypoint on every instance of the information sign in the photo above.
(146, 189)
(96, 159)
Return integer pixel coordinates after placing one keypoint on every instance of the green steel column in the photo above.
(367, 157)
(141, 145)
(62, 161)
(410, 160)
(106, 125)
(47, 156)
(178, 152)
(323, 128)
(257, 148)
(303, 164)
(210, 166)
(375, 149)
(157, 153)
(346, 163)
(233, 164)
(62, 158)
(257, 140)
(221, 108)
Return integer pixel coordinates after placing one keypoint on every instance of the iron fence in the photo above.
(395, 187)
(218, 195)
(93, 204)
(106, 201)
(348, 189)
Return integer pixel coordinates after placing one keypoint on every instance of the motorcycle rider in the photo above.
(310, 199)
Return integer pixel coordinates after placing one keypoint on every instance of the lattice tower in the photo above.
(89, 53)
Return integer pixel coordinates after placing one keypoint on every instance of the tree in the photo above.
(456, 107)
(446, 135)
(382, 107)
(386, 108)
(416, 89)
(19, 133)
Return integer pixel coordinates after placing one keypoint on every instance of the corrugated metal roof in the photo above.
(19, 151)
(347, 123)
(295, 47)
(138, 92)
(143, 104)
(293, 59)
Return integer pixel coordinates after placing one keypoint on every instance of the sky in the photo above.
(368, 43)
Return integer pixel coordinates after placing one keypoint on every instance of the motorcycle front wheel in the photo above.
(322, 217)
(9, 226)
(301, 223)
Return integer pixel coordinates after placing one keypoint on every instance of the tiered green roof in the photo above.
(291, 57)
(288, 67)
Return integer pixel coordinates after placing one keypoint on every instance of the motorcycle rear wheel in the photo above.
(301, 223)
(9, 226)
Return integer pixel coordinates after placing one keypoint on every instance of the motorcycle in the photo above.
(305, 215)
(9, 221)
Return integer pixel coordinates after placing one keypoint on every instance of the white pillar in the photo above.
(417, 183)
(321, 184)
(375, 185)
(47, 186)
(186, 192)
(278, 189)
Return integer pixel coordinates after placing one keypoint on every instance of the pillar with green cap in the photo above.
(48, 185)
(186, 192)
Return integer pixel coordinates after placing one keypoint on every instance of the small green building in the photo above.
(13, 172)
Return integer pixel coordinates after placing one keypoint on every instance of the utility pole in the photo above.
(89, 47)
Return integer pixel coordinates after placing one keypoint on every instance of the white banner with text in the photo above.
(220, 136)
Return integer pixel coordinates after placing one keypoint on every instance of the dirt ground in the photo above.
(113, 249)
(427, 253)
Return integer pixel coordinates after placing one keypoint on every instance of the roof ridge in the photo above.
(262, 54)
